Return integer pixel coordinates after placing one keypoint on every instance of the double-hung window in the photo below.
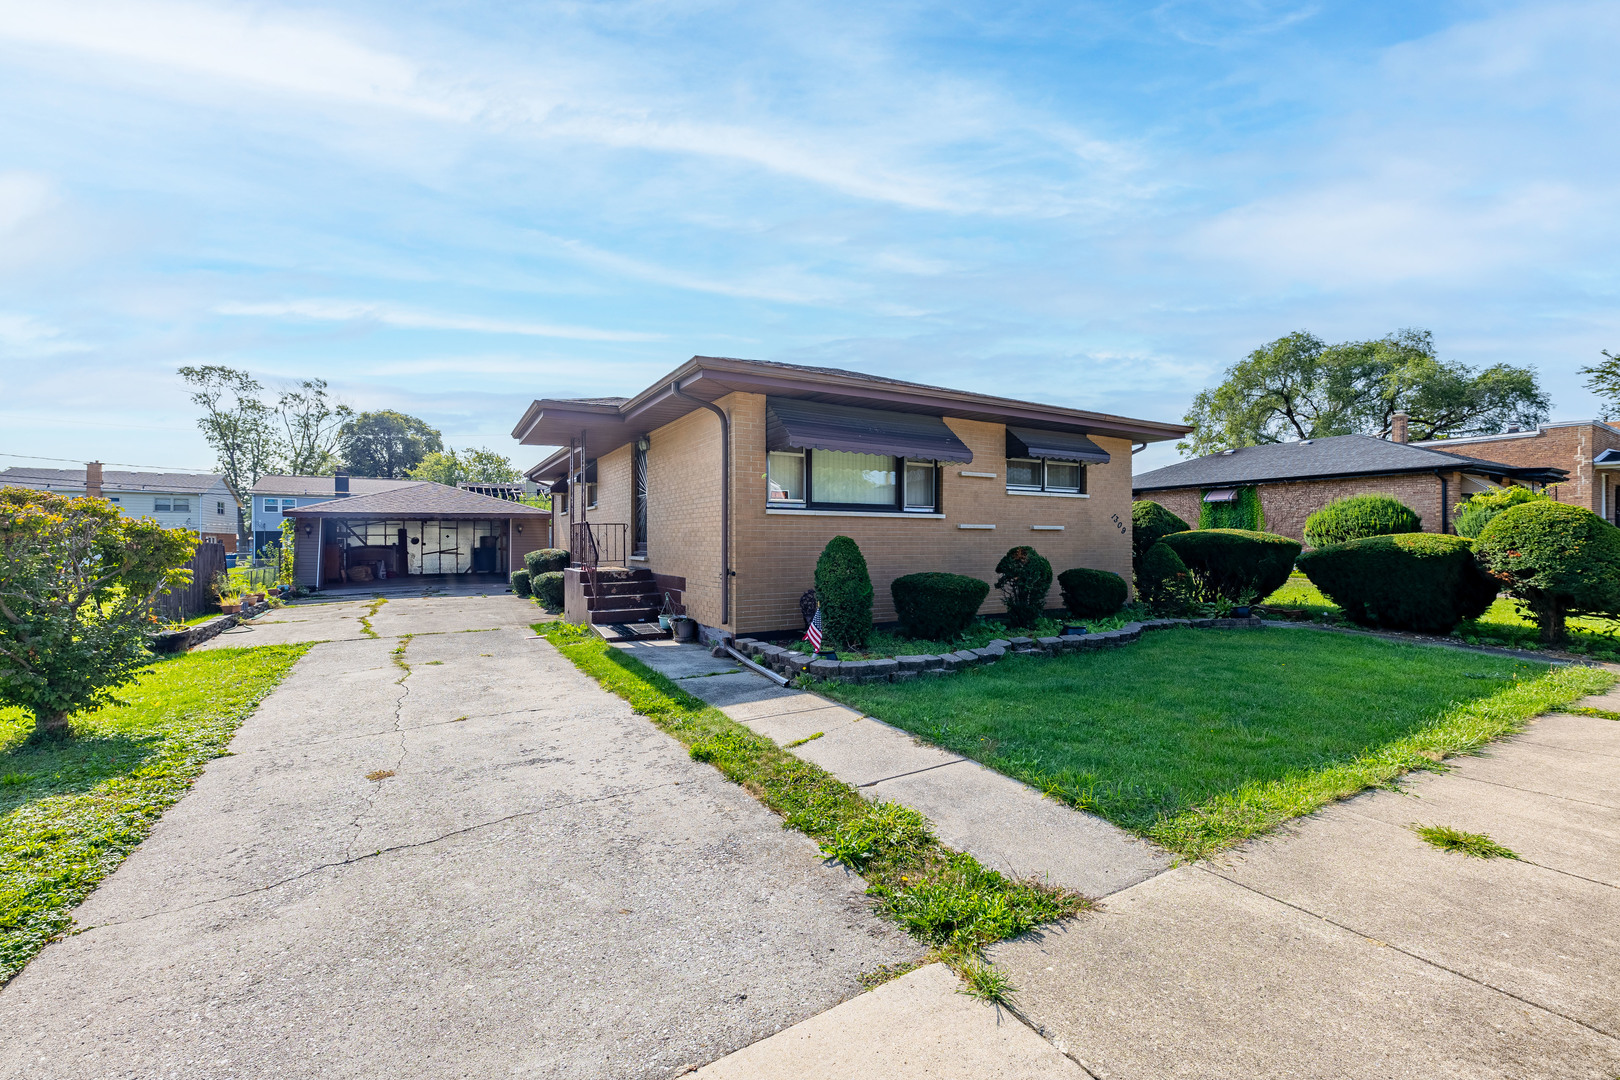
(1046, 475)
(166, 504)
(840, 480)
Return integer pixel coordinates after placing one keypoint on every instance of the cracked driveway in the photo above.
(545, 886)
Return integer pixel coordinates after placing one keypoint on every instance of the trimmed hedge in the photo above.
(520, 583)
(1164, 579)
(1026, 578)
(1359, 516)
(1150, 523)
(937, 606)
(1560, 560)
(1092, 594)
(545, 560)
(1234, 564)
(1243, 512)
(1405, 581)
(844, 587)
(1481, 510)
(548, 589)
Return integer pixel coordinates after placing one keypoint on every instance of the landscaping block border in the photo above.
(189, 637)
(791, 664)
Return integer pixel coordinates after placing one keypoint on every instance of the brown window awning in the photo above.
(1057, 445)
(795, 424)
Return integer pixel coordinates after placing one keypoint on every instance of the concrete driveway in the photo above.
(545, 886)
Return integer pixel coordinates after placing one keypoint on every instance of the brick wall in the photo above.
(1287, 505)
(1565, 446)
(683, 507)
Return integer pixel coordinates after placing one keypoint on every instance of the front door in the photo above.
(639, 509)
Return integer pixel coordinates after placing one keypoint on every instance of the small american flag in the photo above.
(812, 633)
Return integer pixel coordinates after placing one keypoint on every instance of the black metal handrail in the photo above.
(597, 543)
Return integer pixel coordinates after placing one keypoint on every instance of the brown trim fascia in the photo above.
(542, 407)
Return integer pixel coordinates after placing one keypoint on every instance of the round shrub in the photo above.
(1092, 594)
(1150, 523)
(844, 588)
(545, 560)
(1026, 578)
(1234, 564)
(1407, 581)
(937, 606)
(1358, 516)
(1481, 510)
(1164, 580)
(1560, 560)
(548, 589)
(520, 583)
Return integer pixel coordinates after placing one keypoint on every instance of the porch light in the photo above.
(642, 444)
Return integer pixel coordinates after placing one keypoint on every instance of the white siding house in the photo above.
(199, 502)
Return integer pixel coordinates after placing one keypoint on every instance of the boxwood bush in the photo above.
(937, 606)
(844, 587)
(1358, 516)
(1164, 581)
(545, 560)
(548, 589)
(520, 583)
(1150, 523)
(1406, 581)
(1560, 560)
(1481, 510)
(1092, 594)
(1234, 564)
(1026, 578)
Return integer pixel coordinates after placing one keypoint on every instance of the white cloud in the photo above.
(25, 336)
(416, 319)
(24, 197)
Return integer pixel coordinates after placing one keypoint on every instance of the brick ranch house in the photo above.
(1296, 479)
(723, 481)
(1588, 450)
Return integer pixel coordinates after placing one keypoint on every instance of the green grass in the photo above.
(944, 898)
(981, 632)
(1199, 739)
(70, 812)
(1505, 623)
(1477, 845)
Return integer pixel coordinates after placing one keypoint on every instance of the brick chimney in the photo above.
(92, 479)
(340, 484)
(1397, 427)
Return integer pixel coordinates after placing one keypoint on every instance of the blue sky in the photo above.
(452, 208)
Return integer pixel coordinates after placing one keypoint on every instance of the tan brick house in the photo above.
(1296, 479)
(725, 479)
(1588, 450)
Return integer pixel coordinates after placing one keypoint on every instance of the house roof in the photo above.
(1321, 459)
(324, 485)
(111, 480)
(419, 499)
(606, 424)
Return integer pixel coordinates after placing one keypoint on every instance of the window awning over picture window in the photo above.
(1055, 445)
(793, 424)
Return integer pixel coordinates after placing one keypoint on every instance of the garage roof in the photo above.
(421, 500)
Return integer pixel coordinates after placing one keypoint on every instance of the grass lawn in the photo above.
(70, 813)
(1502, 624)
(1200, 738)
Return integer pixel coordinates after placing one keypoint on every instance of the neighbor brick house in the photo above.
(1588, 450)
(726, 478)
(1296, 479)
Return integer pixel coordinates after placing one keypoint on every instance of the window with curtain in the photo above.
(1046, 474)
(852, 479)
(920, 486)
(836, 480)
(785, 477)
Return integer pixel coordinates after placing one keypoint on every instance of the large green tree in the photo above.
(386, 443)
(76, 585)
(1299, 387)
(1603, 379)
(312, 421)
(470, 466)
(241, 429)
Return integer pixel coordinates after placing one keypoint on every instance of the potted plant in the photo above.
(230, 603)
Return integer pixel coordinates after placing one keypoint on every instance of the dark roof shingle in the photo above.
(111, 480)
(420, 498)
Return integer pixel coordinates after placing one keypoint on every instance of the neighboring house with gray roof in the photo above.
(199, 502)
(1295, 479)
(273, 496)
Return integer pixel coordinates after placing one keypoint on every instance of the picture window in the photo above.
(839, 480)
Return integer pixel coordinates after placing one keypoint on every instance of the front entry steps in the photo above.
(621, 604)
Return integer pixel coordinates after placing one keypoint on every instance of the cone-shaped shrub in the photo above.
(937, 606)
(1410, 581)
(1358, 516)
(1026, 578)
(1092, 594)
(1150, 523)
(1234, 564)
(844, 588)
(1560, 560)
(520, 583)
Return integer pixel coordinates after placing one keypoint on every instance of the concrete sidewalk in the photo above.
(1003, 823)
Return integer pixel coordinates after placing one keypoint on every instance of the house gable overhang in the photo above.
(556, 422)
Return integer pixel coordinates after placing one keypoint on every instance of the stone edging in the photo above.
(191, 636)
(903, 668)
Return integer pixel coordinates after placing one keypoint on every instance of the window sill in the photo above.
(849, 513)
(1052, 494)
(638, 558)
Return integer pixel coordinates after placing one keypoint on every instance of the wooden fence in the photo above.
(181, 604)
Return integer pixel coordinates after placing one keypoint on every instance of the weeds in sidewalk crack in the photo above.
(1477, 845)
(365, 620)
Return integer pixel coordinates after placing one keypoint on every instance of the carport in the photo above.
(425, 529)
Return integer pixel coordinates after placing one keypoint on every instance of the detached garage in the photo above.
(423, 530)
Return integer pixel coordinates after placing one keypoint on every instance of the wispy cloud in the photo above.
(25, 337)
(406, 318)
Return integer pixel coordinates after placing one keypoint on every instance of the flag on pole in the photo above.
(812, 633)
